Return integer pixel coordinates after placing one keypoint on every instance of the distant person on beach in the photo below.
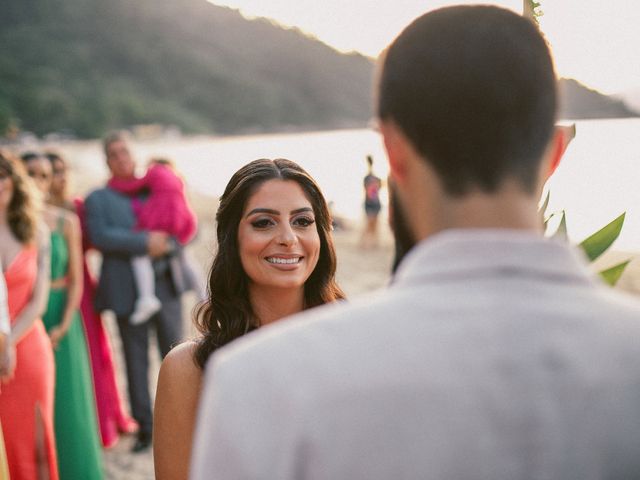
(337, 221)
(111, 225)
(372, 206)
(113, 418)
(275, 257)
(165, 209)
(75, 420)
(496, 353)
(27, 396)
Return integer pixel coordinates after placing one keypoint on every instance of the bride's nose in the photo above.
(286, 235)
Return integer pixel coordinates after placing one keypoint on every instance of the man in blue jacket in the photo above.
(110, 224)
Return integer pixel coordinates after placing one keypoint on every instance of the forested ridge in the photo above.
(93, 65)
(88, 66)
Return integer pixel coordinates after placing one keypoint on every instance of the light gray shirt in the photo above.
(494, 355)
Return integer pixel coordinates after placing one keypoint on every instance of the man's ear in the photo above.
(396, 146)
(562, 136)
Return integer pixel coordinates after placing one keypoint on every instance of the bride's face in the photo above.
(278, 239)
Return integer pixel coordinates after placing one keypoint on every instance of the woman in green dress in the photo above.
(76, 427)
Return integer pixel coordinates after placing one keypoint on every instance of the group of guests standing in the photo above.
(58, 381)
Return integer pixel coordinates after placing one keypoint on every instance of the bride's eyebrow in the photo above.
(300, 210)
(276, 212)
(263, 210)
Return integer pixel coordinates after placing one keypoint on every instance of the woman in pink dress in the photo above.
(26, 401)
(166, 209)
(112, 417)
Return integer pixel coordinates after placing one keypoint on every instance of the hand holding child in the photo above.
(158, 243)
(7, 358)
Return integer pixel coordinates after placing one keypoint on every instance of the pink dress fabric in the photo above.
(26, 437)
(166, 209)
(112, 417)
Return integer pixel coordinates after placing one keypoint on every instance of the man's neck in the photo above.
(509, 208)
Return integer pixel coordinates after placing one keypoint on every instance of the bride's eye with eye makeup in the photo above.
(262, 223)
(304, 221)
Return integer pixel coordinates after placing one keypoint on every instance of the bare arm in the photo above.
(177, 396)
(38, 303)
(6, 352)
(5, 324)
(74, 277)
(7, 358)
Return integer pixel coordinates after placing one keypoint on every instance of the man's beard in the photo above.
(404, 240)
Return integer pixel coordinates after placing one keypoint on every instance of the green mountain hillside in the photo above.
(88, 66)
(93, 65)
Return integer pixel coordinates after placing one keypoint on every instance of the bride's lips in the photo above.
(285, 262)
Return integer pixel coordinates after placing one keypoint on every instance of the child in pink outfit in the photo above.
(166, 209)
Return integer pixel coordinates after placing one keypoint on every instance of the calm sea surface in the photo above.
(599, 177)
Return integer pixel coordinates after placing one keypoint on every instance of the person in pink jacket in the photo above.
(165, 209)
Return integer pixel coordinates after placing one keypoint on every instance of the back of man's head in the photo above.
(474, 90)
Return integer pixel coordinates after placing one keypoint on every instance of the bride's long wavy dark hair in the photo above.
(228, 313)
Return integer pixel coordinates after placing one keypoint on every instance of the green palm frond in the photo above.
(596, 244)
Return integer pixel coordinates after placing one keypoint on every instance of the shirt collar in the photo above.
(490, 252)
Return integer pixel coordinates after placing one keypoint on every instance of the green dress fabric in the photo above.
(76, 427)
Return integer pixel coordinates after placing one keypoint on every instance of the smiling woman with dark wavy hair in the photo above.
(275, 258)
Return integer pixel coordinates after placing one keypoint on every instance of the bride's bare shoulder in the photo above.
(179, 366)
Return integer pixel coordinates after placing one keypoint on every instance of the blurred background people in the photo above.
(275, 258)
(75, 421)
(372, 185)
(112, 416)
(165, 209)
(59, 187)
(26, 401)
(111, 225)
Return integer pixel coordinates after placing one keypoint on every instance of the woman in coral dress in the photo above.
(26, 401)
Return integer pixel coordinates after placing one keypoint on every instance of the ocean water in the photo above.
(598, 179)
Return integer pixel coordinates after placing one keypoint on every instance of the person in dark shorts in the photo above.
(372, 185)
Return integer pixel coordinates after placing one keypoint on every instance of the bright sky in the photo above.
(593, 40)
